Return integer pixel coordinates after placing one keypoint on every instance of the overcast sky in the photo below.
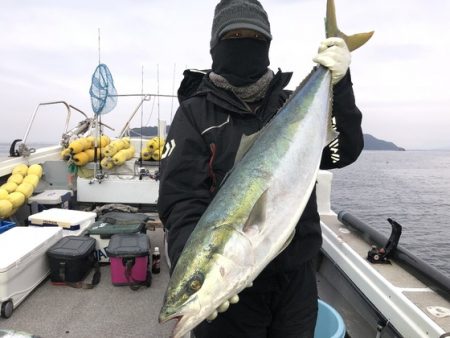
(49, 50)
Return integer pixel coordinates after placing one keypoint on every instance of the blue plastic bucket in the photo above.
(329, 322)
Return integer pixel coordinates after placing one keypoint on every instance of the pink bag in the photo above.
(129, 257)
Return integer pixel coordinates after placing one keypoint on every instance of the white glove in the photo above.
(223, 307)
(334, 54)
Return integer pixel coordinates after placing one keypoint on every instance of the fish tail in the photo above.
(353, 41)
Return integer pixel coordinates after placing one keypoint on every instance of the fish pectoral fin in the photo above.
(289, 240)
(257, 216)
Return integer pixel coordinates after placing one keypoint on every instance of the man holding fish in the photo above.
(220, 110)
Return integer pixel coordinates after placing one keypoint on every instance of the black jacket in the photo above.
(202, 143)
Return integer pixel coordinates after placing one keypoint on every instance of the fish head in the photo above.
(200, 283)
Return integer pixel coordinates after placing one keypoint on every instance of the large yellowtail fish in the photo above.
(253, 216)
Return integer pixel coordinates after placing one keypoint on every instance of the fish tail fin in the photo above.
(353, 41)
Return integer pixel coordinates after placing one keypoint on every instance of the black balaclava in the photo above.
(241, 61)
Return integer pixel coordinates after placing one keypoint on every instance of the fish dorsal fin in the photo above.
(246, 142)
(257, 215)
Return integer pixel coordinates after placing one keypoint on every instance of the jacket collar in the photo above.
(197, 83)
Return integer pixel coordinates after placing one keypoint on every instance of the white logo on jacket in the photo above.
(169, 147)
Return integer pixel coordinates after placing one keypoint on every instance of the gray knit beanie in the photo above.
(237, 14)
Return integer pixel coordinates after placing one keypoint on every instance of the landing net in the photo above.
(102, 91)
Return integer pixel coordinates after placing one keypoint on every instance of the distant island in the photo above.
(144, 131)
(372, 143)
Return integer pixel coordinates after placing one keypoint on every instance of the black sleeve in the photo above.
(347, 117)
(184, 181)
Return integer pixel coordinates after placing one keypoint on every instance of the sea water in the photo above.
(412, 187)
(4, 150)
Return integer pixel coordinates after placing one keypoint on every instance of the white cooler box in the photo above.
(73, 222)
(50, 199)
(23, 263)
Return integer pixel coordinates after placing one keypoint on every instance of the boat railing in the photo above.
(24, 150)
(68, 108)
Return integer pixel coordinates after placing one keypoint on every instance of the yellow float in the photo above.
(16, 178)
(26, 189)
(9, 187)
(32, 179)
(17, 199)
(35, 169)
(6, 208)
(21, 169)
(3, 194)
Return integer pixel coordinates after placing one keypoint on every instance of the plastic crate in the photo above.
(6, 225)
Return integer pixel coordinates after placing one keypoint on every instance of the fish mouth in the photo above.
(164, 318)
(185, 316)
(179, 329)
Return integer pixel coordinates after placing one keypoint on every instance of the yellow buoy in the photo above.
(65, 154)
(156, 155)
(9, 187)
(153, 144)
(91, 154)
(110, 150)
(35, 169)
(87, 143)
(16, 178)
(146, 154)
(107, 163)
(81, 159)
(120, 144)
(17, 199)
(156, 143)
(21, 169)
(120, 157)
(102, 152)
(76, 146)
(91, 141)
(104, 141)
(127, 141)
(3, 194)
(130, 152)
(32, 179)
(6, 208)
(26, 189)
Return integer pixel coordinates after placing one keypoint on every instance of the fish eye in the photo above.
(195, 283)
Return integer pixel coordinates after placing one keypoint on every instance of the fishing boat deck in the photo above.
(104, 311)
(403, 287)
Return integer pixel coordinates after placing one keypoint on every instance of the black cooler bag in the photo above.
(71, 259)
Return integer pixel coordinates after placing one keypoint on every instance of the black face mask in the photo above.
(241, 61)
